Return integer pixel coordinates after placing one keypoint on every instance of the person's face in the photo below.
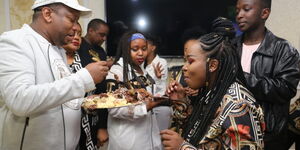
(249, 14)
(138, 51)
(98, 36)
(63, 21)
(76, 40)
(194, 69)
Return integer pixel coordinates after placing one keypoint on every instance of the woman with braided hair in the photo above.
(226, 115)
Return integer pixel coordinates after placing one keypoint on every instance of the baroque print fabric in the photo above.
(239, 123)
(86, 120)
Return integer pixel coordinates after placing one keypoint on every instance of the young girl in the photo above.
(133, 127)
(157, 68)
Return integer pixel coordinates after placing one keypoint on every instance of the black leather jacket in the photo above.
(273, 79)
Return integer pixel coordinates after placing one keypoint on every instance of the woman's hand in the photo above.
(151, 104)
(102, 136)
(158, 70)
(191, 92)
(175, 91)
(110, 61)
(171, 140)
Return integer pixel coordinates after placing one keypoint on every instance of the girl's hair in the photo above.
(217, 45)
(78, 24)
(155, 40)
(123, 51)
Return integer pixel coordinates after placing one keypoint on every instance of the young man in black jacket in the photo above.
(271, 68)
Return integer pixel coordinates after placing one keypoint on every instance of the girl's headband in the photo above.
(137, 36)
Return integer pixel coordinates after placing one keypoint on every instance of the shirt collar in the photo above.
(35, 34)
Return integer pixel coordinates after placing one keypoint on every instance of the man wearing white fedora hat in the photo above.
(39, 97)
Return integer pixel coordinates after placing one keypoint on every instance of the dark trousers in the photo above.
(291, 139)
(278, 142)
(283, 141)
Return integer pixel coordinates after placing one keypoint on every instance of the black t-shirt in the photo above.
(83, 52)
(86, 58)
(91, 123)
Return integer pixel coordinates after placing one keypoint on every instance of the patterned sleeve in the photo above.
(243, 127)
(294, 117)
(239, 125)
(181, 110)
(187, 146)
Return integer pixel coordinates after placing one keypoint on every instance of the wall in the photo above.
(98, 8)
(14, 13)
(284, 20)
(2, 16)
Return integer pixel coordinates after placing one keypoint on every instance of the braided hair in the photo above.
(217, 45)
(123, 51)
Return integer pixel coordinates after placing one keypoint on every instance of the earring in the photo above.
(207, 60)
